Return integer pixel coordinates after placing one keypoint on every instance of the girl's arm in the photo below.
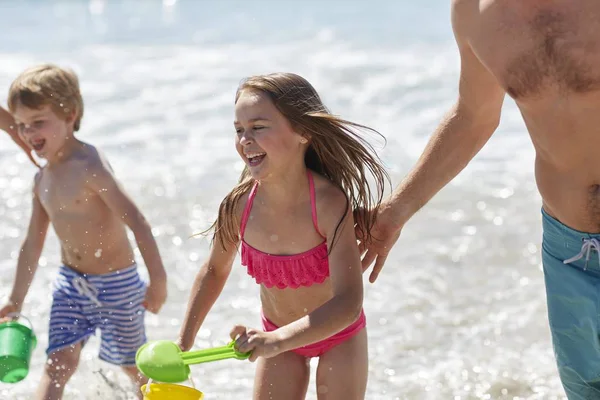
(8, 125)
(336, 314)
(7, 122)
(207, 287)
(346, 279)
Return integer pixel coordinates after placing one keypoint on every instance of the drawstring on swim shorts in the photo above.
(586, 249)
(86, 289)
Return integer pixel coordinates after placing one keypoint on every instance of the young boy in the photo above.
(8, 125)
(98, 285)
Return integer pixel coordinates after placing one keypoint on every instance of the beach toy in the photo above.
(169, 391)
(163, 360)
(17, 342)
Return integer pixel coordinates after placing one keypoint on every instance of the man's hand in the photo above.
(384, 235)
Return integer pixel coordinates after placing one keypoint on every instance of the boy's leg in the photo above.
(58, 370)
(68, 331)
(343, 370)
(119, 343)
(122, 324)
(282, 377)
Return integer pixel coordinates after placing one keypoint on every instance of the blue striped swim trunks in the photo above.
(112, 302)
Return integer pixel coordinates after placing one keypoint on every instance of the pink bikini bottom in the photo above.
(319, 348)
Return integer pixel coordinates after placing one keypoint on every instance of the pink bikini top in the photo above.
(304, 269)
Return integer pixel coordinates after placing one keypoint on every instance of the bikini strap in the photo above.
(247, 209)
(313, 202)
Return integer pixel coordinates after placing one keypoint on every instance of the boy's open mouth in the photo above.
(38, 144)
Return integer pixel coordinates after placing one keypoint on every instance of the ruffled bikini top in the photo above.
(283, 271)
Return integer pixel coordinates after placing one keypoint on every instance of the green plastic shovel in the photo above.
(163, 360)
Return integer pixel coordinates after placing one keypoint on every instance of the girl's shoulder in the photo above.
(331, 203)
(240, 204)
(326, 191)
(234, 203)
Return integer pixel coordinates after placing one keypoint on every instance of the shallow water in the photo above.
(459, 311)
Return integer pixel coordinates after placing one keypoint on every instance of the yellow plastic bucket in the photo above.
(169, 391)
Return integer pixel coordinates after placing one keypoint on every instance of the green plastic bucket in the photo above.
(17, 342)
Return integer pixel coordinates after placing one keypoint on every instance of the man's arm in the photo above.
(463, 132)
(7, 124)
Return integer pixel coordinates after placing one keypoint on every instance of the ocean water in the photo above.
(459, 310)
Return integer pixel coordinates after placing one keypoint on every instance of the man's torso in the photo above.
(545, 54)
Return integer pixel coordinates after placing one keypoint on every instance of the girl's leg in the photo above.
(137, 378)
(343, 370)
(282, 377)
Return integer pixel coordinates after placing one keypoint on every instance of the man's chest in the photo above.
(540, 49)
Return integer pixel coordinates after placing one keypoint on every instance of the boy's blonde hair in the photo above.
(48, 84)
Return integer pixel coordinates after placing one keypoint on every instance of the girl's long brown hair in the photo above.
(336, 151)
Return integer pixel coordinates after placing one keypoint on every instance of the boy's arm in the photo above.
(102, 181)
(7, 124)
(29, 256)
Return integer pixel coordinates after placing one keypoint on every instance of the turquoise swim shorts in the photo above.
(571, 262)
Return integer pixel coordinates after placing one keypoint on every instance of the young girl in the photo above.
(292, 212)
